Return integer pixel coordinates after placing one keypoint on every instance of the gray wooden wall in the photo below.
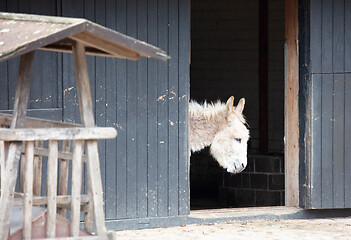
(330, 52)
(145, 169)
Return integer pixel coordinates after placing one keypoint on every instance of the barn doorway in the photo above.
(225, 57)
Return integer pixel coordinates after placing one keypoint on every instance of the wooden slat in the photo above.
(315, 36)
(28, 191)
(121, 102)
(173, 130)
(76, 187)
(348, 139)
(327, 137)
(87, 116)
(111, 120)
(20, 109)
(62, 201)
(338, 36)
(64, 170)
(162, 113)
(152, 113)
(316, 142)
(132, 120)
(2, 163)
(38, 165)
(142, 115)
(184, 81)
(32, 134)
(327, 36)
(292, 105)
(23, 160)
(338, 141)
(52, 189)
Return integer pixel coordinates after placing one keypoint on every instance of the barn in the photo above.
(289, 59)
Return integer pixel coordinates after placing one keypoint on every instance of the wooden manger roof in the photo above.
(22, 33)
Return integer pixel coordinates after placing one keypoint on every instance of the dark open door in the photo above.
(325, 96)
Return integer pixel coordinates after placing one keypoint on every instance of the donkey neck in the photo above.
(204, 123)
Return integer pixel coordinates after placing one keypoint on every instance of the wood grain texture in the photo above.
(28, 191)
(291, 106)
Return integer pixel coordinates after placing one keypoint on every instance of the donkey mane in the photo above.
(211, 111)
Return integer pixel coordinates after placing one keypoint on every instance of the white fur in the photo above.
(219, 126)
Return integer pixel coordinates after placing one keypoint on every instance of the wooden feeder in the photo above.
(21, 35)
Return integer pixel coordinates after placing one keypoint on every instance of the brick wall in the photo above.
(224, 59)
(260, 184)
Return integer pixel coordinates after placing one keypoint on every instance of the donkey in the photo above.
(223, 128)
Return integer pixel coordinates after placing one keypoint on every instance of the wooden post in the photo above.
(87, 116)
(64, 169)
(52, 189)
(14, 151)
(38, 170)
(76, 186)
(28, 191)
(291, 105)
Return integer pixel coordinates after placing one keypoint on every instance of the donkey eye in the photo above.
(238, 140)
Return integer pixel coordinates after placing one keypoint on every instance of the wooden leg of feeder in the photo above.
(28, 191)
(14, 151)
(87, 116)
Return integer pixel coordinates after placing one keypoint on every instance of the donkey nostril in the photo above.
(243, 165)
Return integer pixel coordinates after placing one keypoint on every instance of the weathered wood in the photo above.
(33, 134)
(291, 106)
(87, 117)
(38, 169)
(13, 156)
(64, 201)
(6, 119)
(104, 45)
(22, 171)
(52, 189)
(2, 163)
(64, 171)
(28, 191)
(76, 186)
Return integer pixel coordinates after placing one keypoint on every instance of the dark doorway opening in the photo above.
(225, 60)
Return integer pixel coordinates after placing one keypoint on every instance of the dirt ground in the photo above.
(332, 228)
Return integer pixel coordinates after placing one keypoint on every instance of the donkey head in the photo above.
(229, 146)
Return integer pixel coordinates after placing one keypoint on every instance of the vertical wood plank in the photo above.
(338, 141)
(347, 145)
(28, 191)
(152, 112)
(64, 172)
(100, 92)
(327, 36)
(76, 186)
(131, 116)
(316, 142)
(87, 116)
(111, 121)
(121, 118)
(2, 163)
(315, 36)
(327, 136)
(173, 112)
(338, 36)
(292, 105)
(162, 111)
(184, 81)
(347, 31)
(14, 152)
(52, 189)
(38, 164)
(22, 172)
(142, 115)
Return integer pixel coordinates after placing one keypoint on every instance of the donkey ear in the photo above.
(229, 105)
(240, 106)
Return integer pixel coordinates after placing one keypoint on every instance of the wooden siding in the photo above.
(145, 169)
(329, 170)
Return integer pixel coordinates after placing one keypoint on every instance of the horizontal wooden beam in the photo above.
(43, 200)
(33, 134)
(104, 45)
(6, 119)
